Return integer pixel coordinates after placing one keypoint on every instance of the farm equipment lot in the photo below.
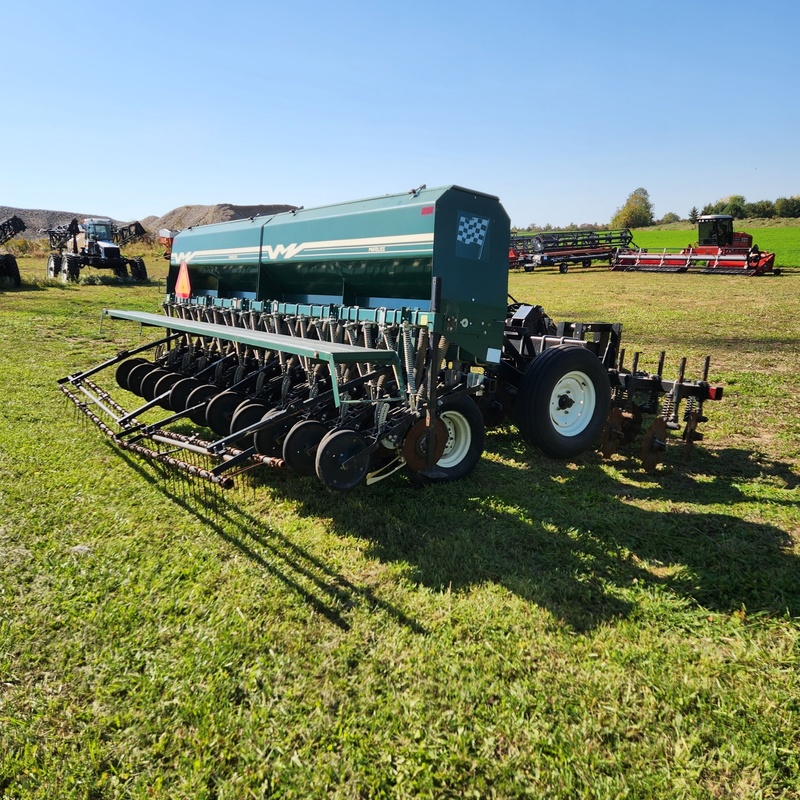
(556, 628)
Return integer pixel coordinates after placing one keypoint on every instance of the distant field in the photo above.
(543, 629)
(783, 241)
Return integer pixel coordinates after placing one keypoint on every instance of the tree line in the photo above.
(637, 212)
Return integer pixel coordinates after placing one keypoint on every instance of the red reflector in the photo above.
(426, 210)
(183, 288)
(715, 393)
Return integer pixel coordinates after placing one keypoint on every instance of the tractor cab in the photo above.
(99, 239)
(715, 230)
(98, 230)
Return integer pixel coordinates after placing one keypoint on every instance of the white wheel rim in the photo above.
(459, 439)
(572, 403)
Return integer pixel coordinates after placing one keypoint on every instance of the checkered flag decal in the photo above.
(471, 236)
(472, 230)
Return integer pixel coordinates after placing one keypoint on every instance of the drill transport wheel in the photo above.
(563, 401)
(463, 446)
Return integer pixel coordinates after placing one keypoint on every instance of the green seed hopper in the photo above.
(383, 253)
(355, 340)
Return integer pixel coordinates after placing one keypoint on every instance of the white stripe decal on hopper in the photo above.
(333, 246)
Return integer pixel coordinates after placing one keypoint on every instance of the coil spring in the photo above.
(692, 405)
(668, 406)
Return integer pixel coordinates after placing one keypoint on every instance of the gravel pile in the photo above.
(37, 219)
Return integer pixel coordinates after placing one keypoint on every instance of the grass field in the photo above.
(539, 629)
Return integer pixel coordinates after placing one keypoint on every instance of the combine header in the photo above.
(9, 269)
(356, 340)
(562, 248)
(719, 250)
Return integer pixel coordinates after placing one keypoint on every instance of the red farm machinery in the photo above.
(355, 341)
(562, 248)
(719, 250)
(9, 269)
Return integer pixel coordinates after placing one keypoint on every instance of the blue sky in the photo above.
(560, 108)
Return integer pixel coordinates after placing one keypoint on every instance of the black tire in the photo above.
(120, 268)
(149, 382)
(202, 394)
(164, 385)
(124, 370)
(563, 268)
(268, 441)
(247, 414)
(70, 268)
(563, 401)
(220, 411)
(179, 393)
(301, 444)
(465, 437)
(53, 265)
(137, 375)
(336, 448)
(138, 270)
(9, 270)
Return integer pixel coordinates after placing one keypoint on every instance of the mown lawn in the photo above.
(539, 629)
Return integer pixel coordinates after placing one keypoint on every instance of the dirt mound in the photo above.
(36, 219)
(188, 216)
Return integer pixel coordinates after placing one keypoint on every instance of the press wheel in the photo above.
(179, 393)
(124, 370)
(300, 445)
(220, 410)
(137, 375)
(202, 394)
(149, 382)
(337, 448)
(269, 440)
(247, 413)
(165, 384)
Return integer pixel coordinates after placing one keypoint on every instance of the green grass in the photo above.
(540, 628)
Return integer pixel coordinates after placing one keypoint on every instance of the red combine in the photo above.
(719, 250)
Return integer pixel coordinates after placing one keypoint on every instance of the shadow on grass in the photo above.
(325, 589)
(573, 539)
(576, 540)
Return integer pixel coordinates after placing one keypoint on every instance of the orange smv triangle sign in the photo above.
(183, 288)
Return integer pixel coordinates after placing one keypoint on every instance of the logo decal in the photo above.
(472, 232)
(287, 251)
